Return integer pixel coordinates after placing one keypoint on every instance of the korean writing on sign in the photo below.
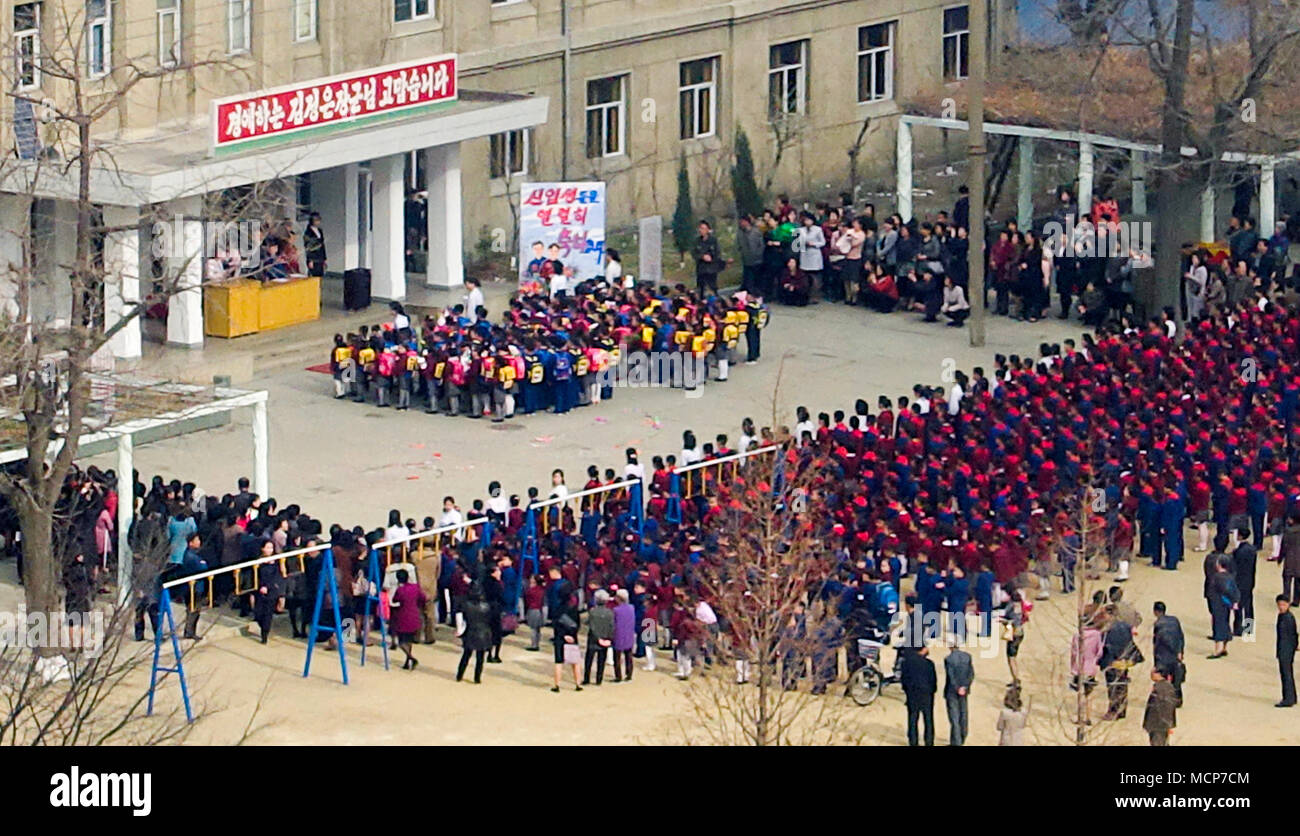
(565, 222)
(333, 100)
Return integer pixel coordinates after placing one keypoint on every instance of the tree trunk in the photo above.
(41, 576)
(1171, 186)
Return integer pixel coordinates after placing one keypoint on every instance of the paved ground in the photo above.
(349, 463)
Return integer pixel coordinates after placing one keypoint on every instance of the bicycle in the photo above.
(866, 683)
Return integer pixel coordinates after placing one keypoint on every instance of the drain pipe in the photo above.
(564, 89)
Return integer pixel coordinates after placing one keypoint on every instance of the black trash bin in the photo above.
(356, 289)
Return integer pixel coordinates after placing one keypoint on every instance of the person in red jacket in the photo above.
(407, 604)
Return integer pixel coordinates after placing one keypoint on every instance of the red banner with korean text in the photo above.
(332, 101)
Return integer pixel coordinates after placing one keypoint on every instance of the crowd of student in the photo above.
(974, 493)
(549, 351)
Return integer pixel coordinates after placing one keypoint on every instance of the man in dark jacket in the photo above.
(1168, 645)
(600, 637)
(752, 248)
(1243, 569)
(708, 260)
(919, 685)
(1290, 558)
(958, 674)
(1286, 647)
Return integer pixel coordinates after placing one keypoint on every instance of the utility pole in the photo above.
(975, 154)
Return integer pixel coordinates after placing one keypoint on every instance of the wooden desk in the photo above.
(247, 306)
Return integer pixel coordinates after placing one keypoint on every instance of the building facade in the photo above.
(613, 90)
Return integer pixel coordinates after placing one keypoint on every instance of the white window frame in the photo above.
(696, 91)
(962, 39)
(99, 27)
(34, 36)
(169, 55)
(619, 106)
(871, 54)
(232, 27)
(508, 139)
(785, 71)
(313, 11)
(430, 12)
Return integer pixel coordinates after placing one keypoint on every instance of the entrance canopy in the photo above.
(180, 163)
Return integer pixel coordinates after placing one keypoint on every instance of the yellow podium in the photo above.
(246, 306)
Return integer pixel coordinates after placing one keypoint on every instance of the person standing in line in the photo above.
(809, 244)
(750, 240)
(1224, 598)
(624, 635)
(919, 685)
(313, 242)
(708, 260)
(477, 637)
(1243, 570)
(408, 604)
(534, 600)
(1290, 559)
(600, 637)
(958, 674)
(1167, 647)
(473, 300)
(1161, 714)
(1286, 647)
(564, 623)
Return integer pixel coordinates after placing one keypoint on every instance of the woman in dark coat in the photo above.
(1031, 279)
(1224, 597)
(477, 637)
(494, 592)
(564, 620)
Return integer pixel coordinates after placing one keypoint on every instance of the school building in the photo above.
(458, 102)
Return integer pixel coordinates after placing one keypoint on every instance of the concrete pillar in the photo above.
(122, 279)
(904, 168)
(1025, 182)
(125, 511)
(1085, 178)
(185, 306)
(1138, 174)
(351, 238)
(261, 452)
(446, 248)
(388, 273)
(1267, 199)
(1207, 213)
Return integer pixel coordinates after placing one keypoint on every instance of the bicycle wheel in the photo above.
(864, 685)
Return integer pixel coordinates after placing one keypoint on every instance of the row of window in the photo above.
(606, 108)
(238, 20)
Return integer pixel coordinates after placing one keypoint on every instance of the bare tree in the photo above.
(46, 367)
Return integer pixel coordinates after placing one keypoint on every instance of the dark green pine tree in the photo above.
(683, 215)
(743, 184)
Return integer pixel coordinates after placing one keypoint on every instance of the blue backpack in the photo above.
(563, 365)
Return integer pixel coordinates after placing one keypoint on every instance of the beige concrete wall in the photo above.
(518, 47)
